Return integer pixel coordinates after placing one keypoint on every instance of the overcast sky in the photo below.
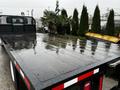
(17, 6)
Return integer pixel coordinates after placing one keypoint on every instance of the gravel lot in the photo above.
(6, 82)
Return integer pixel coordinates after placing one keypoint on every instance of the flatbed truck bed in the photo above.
(51, 62)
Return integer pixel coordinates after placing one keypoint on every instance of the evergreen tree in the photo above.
(64, 13)
(66, 23)
(63, 27)
(75, 22)
(96, 27)
(83, 22)
(110, 27)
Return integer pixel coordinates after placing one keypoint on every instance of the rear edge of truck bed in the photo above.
(54, 63)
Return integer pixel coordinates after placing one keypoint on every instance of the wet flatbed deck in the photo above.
(47, 57)
(6, 81)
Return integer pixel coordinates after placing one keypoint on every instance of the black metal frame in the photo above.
(19, 27)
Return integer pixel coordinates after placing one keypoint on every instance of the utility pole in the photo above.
(32, 12)
(1, 13)
(28, 12)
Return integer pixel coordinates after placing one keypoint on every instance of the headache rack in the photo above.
(16, 24)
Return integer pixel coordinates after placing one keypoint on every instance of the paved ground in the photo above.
(5, 78)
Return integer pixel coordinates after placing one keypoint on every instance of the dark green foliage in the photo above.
(83, 28)
(96, 27)
(75, 22)
(117, 30)
(57, 10)
(63, 23)
(56, 23)
(49, 21)
(110, 27)
(68, 28)
(64, 13)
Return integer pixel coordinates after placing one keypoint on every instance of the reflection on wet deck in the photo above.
(87, 47)
(60, 44)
